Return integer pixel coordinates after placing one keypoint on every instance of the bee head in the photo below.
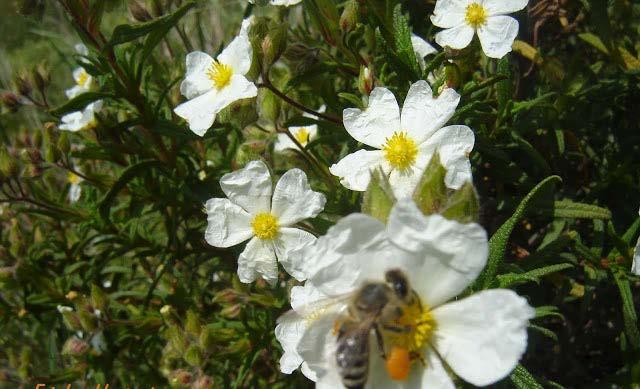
(398, 282)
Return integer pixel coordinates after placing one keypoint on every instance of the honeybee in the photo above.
(376, 306)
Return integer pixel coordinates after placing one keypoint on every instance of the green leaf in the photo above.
(572, 210)
(79, 102)
(511, 279)
(499, 240)
(628, 311)
(548, 311)
(378, 199)
(522, 379)
(594, 41)
(128, 32)
(402, 41)
(127, 175)
(545, 332)
(351, 98)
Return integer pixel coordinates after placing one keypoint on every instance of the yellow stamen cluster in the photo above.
(476, 15)
(265, 226)
(302, 136)
(400, 150)
(73, 178)
(421, 323)
(220, 74)
(83, 77)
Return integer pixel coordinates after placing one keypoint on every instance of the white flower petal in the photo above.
(80, 120)
(318, 347)
(246, 24)
(199, 112)
(238, 54)
(249, 187)
(635, 267)
(75, 190)
(283, 142)
(497, 35)
(355, 169)
(293, 200)
(453, 143)
(353, 250)
(422, 115)
(376, 123)
(289, 243)
(258, 259)
(449, 13)
(196, 82)
(227, 223)
(446, 256)
(81, 49)
(239, 88)
(501, 7)
(457, 37)
(422, 48)
(404, 182)
(289, 331)
(286, 3)
(482, 337)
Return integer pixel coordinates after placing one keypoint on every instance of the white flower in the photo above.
(83, 80)
(480, 337)
(635, 267)
(75, 190)
(251, 212)
(461, 18)
(422, 49)
(64, 308)
(286, 3)
(405, 143)
(211, 85)
(303, 134)
(81, 120)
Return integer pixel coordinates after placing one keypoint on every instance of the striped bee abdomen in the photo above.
(352, 355)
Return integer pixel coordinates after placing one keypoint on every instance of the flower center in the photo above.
(265, 226)
(476, 15)
(406, 337)
(302, 136)
(83, 77)
(220, 74)
(73, 179)
(400, 150)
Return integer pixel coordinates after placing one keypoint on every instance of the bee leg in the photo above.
(376, 330)
(415, 355)
(397, 329)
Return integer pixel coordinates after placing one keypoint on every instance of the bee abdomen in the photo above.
(352, 357)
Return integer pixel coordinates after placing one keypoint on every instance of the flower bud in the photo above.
(365, 80)
(165, 310)
(349, 17)
(99, 299)
(11, 101)
(8, 164)
(75, 347)
(41, 77)
(52, 153)
(207, 338)
(192, 323)
(203, 382)
(379, 198)
(463, 205)
(193, 356)
(88, 320)
(139, 12)
(431, 193)
(23, 85)
(181, 377)
(227, 295)
(274, 44)
(231, 312)
(63, 143)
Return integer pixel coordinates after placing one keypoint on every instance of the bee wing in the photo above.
(334, 304)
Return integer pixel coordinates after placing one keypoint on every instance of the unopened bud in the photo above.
(192, 323)
(181, 377)
(193, 356)
(52, 153)
(11, 101)
(203, 382)
(23, 85)
(36, 138)
(75, 347)
(63, 143)
(99, 299)
(379, 198)
(365, 80)
(231, 312)
(227, 295)
(8, 164)
(139, 12)
(274, 44)
(349, 17)
(41, 77)
(431, 193)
